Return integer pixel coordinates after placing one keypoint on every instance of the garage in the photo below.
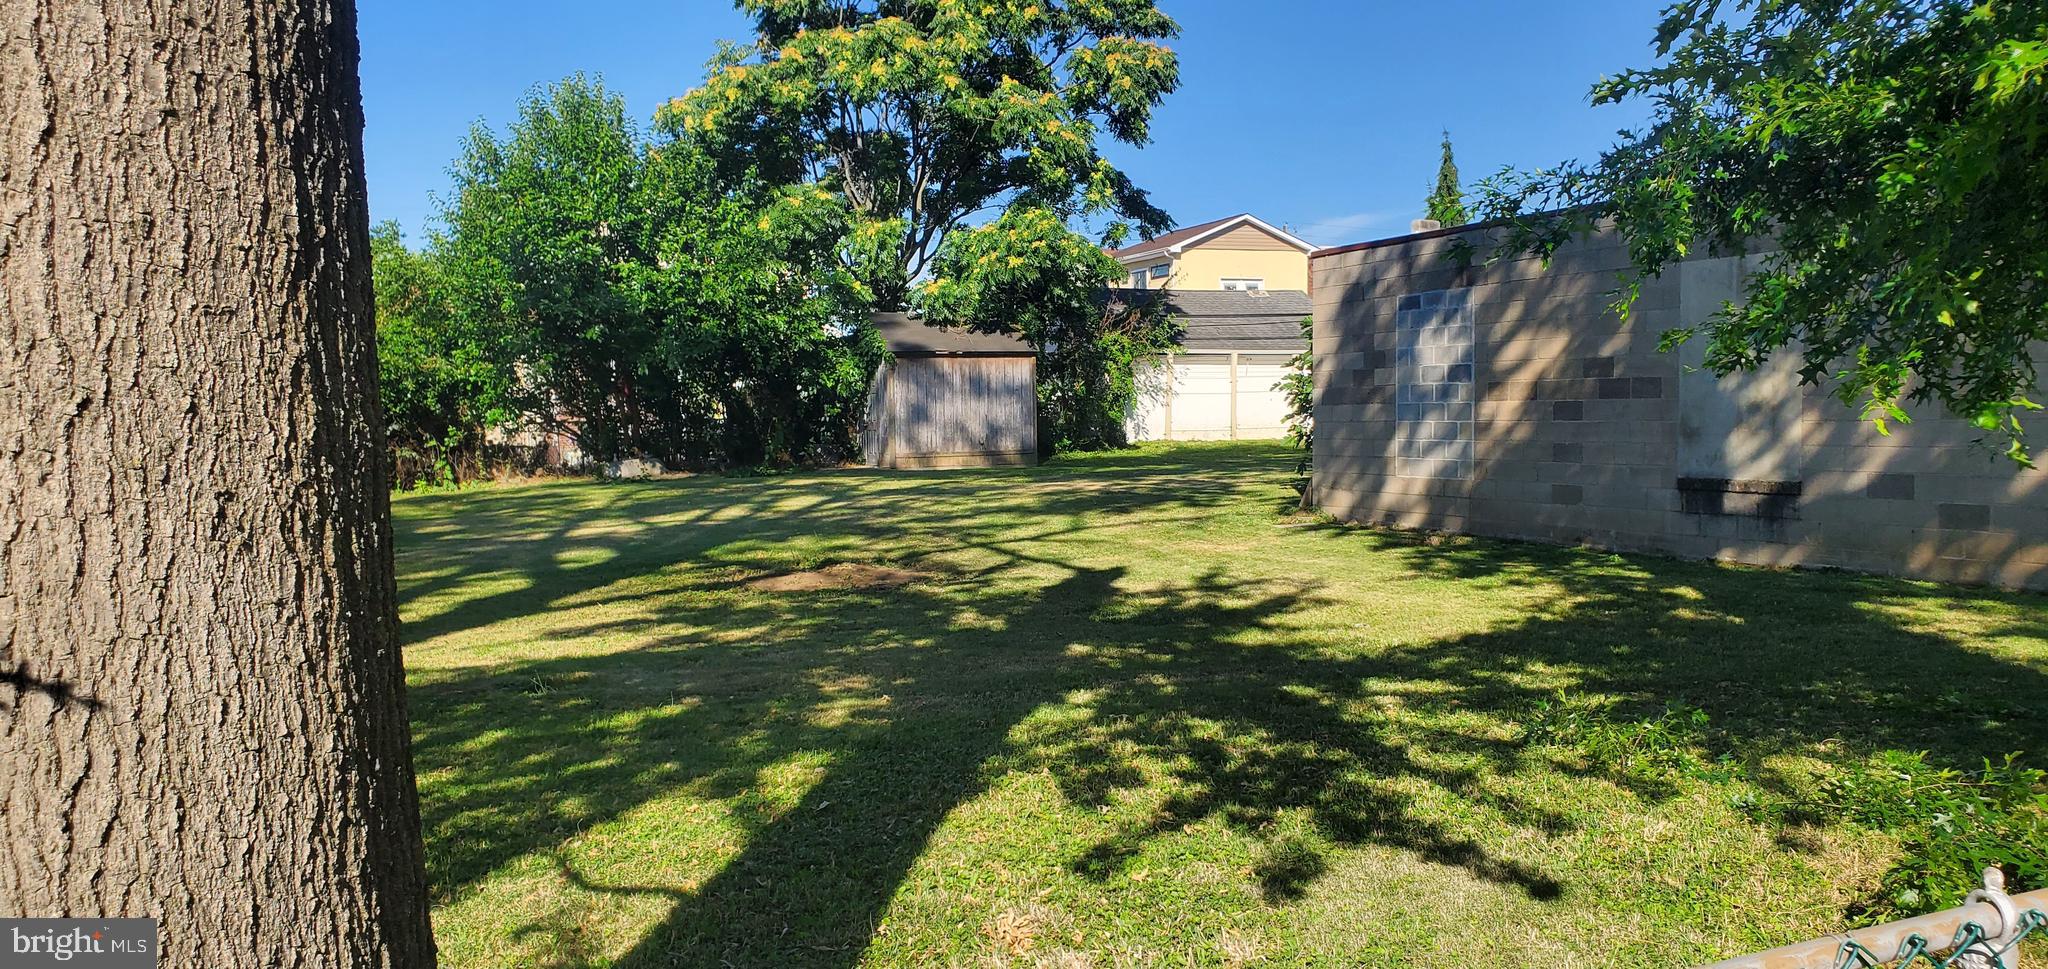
(1222, 383)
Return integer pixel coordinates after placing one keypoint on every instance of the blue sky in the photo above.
(1319, 114)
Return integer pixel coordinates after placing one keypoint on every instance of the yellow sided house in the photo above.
(1239, 288)
(1242, 252)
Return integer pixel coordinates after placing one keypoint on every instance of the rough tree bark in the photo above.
(201, 709)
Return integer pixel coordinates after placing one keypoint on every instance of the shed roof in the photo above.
(1231, 319)
(908, 336)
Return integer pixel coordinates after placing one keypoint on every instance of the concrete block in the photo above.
(1894, 487)
(1963, 517)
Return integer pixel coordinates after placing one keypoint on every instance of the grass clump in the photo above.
(1654, 750)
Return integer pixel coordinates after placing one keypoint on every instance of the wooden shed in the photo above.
(951, 399)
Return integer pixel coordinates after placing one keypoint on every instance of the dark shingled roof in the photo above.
(1232, 319)
(909, 336)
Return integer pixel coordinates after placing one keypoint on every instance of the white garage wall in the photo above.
(1194, 401)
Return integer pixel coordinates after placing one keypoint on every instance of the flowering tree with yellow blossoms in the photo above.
(924, 117)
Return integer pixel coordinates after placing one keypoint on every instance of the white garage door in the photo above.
(1201, 403)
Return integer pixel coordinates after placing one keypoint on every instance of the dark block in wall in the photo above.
(1458, 373)
(1894, 486)
(1614, 388)
(1564, 494)
(1568, 410)
(1568, 453)
(1648, 388)
(1596, 367)
(1963, 518)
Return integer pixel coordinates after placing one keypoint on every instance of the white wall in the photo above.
(1196, 403)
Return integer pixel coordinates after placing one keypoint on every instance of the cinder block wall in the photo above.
(1510, 400)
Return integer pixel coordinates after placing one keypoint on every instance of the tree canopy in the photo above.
(650, 303)
(1890, 151)
(440, 380)
(920, 114)
(702, 294)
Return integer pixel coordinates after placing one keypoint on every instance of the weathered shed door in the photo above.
(960, 411)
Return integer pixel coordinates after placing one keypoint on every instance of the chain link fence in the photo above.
(1985, 932)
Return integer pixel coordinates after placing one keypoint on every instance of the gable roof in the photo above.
(1178, 239)
(1226, 319)
(908, 336)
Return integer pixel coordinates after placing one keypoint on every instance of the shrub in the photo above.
(652, 303)
(439, 382)
(1954, 824)
(1299, 387)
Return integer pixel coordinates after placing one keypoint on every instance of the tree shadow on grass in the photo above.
(524, 532)
(1780, 661)
(912, 701)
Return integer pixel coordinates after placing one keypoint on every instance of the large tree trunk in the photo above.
(201, 709)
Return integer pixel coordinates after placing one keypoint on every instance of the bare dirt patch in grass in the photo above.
(844, 575)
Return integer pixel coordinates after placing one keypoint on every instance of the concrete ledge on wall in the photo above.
(1735, 496)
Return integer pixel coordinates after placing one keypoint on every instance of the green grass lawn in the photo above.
(1134, 709)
